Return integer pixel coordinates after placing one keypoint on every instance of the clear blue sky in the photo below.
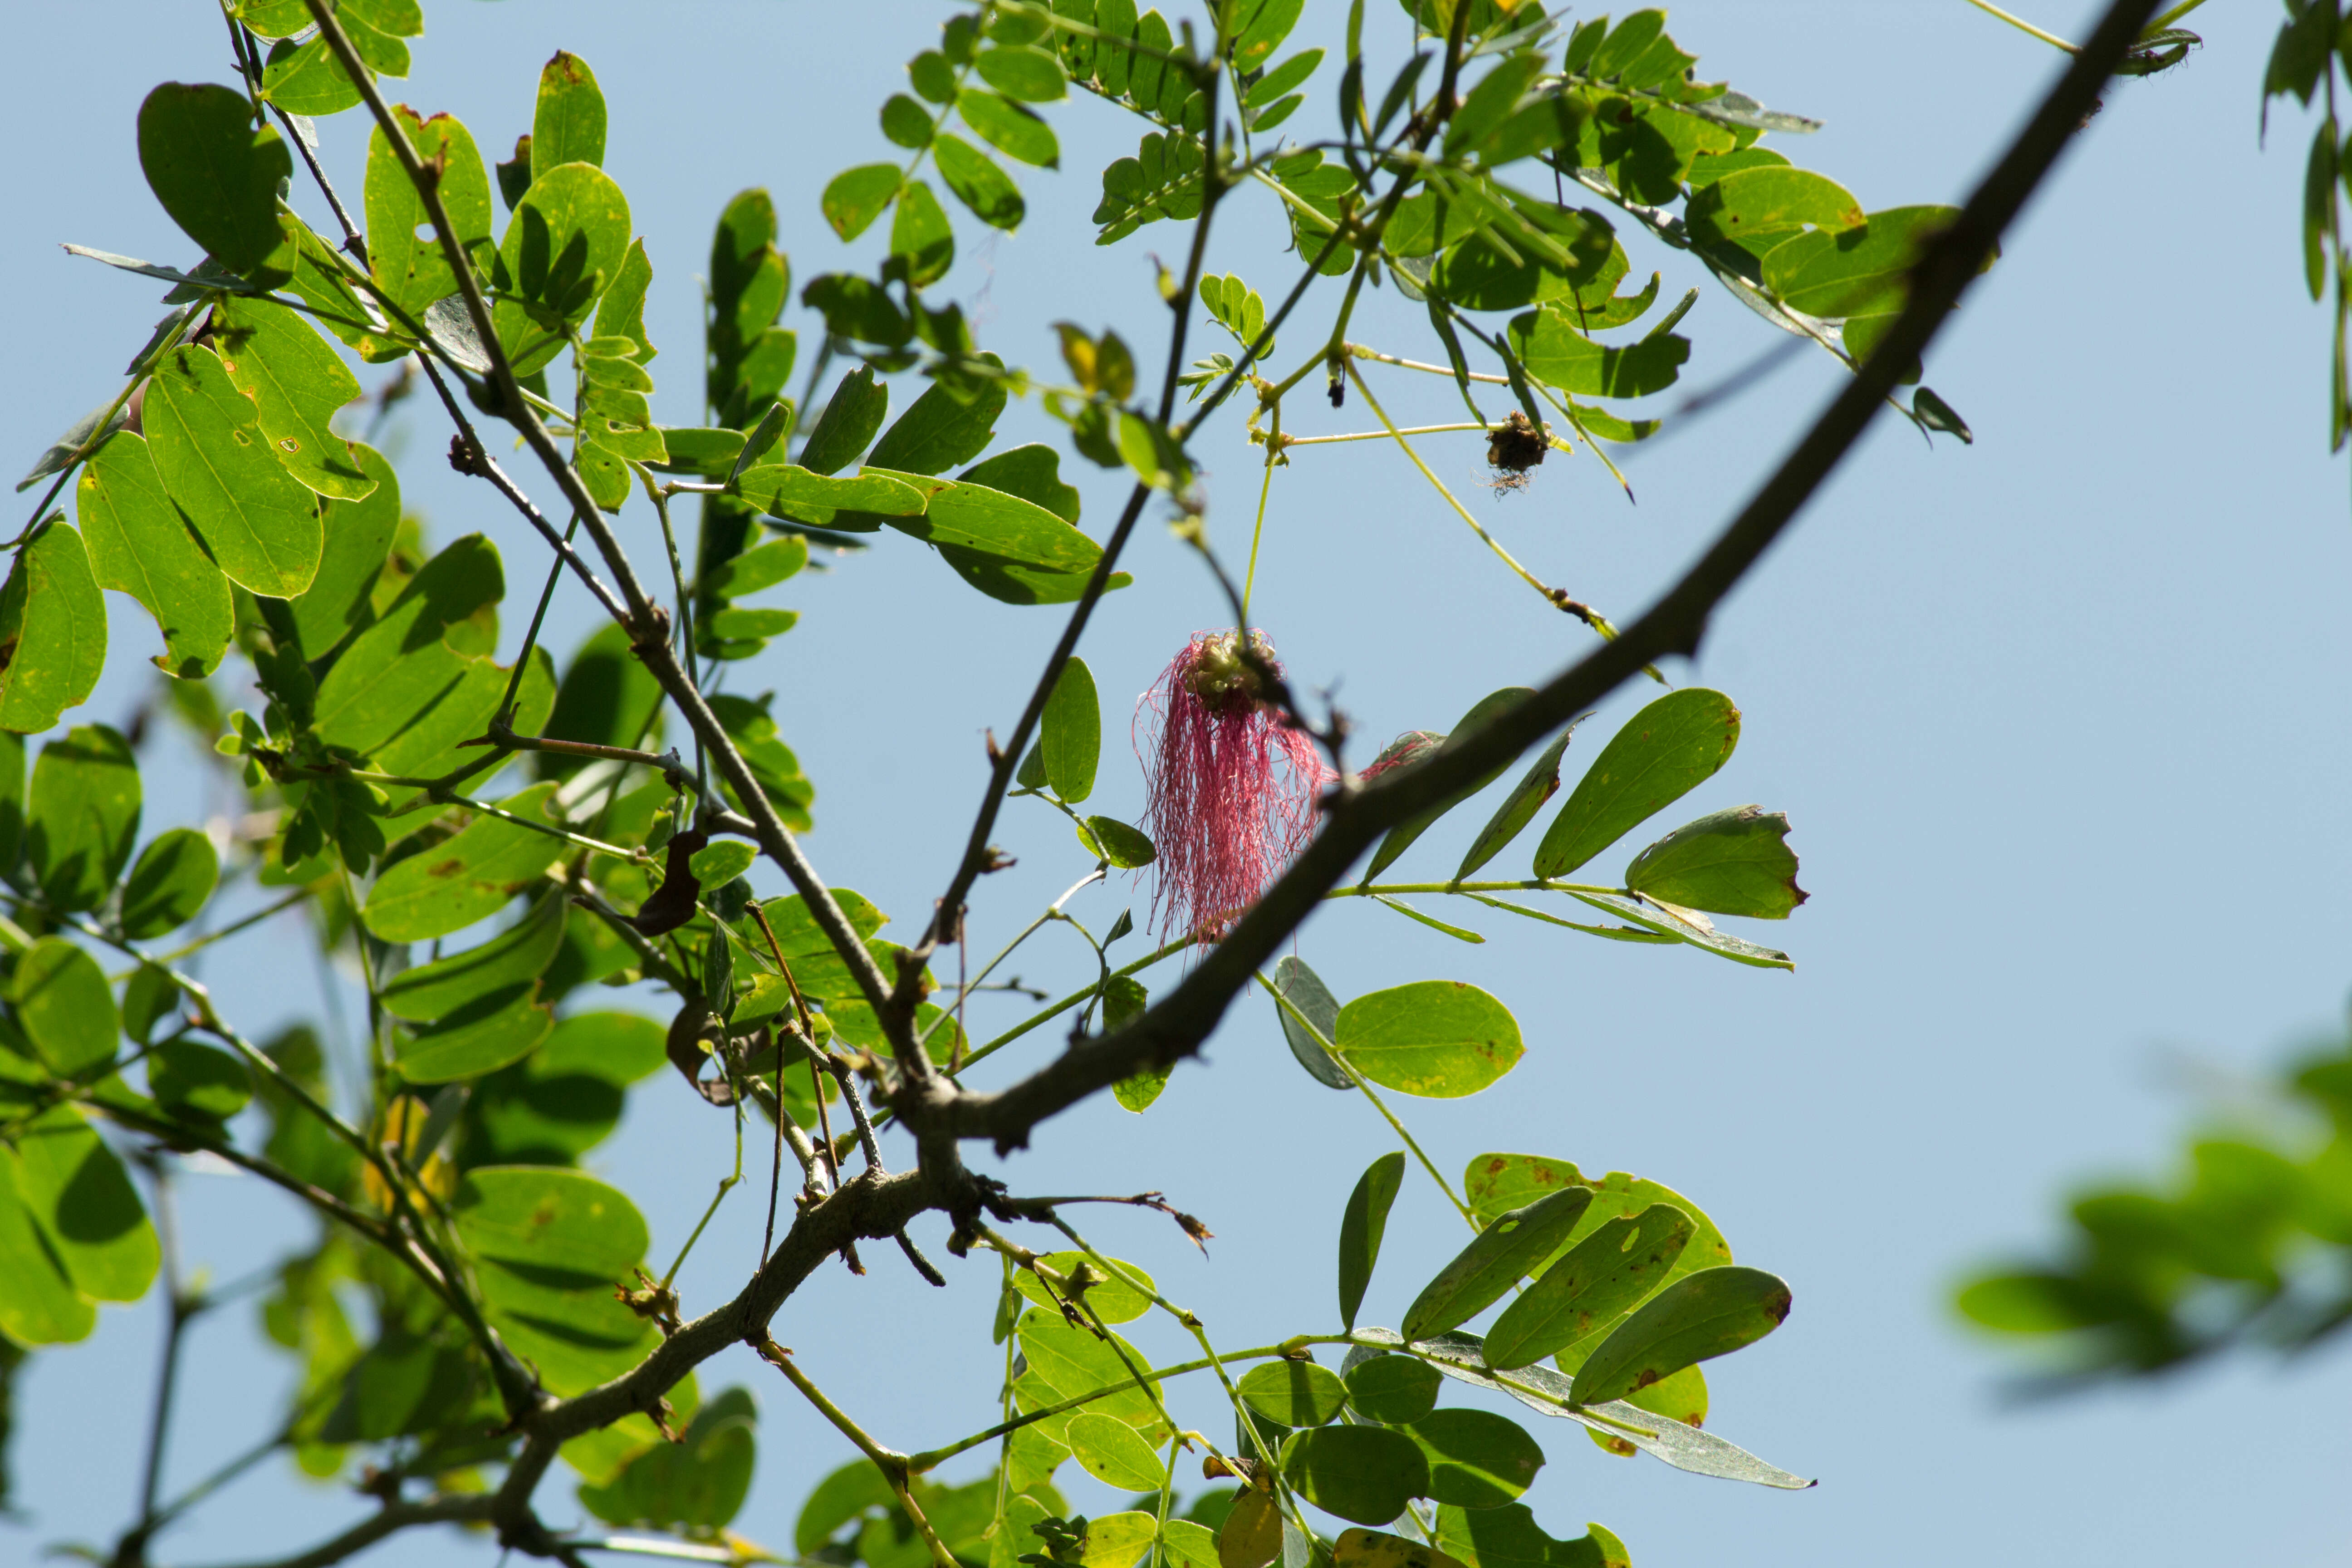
(2058, 719)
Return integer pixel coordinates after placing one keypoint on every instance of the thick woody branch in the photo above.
(1176, 1027)
(392, 1519)
(870, 1206)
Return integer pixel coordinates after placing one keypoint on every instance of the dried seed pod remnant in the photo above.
(1229, 783)
(1513, 448)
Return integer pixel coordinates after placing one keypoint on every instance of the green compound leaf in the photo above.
(1116, 1540)
(201, 1082)
(259, 525)
(551, 1245)
(1770, 200)
(1601, 1277)
(1012, 549)
(217, 174)
(1013, 129)
(339, 601)
(1022, 72)
(1508, 1536)
(1686, 925)
(846, 427)
(1859, 271)
(1529, 796)
(922, 241)
(168, 887)
(788, 490)
(1664, 751)
(403, 251)
(760, 568)
(52, 632)
(855, 197)
(307, 79)
(482, 1037)
(296, 383)
(1698, 1317)
(1303, 989)
(1494, 1183)
(1114, 1296)
(149, 997)
(1254, 1533)
(1438, 1038)
(566, 1097)
(1189, 1543)
(978, 183)
(716, 864)
(1294, 1393)
(1258, 27)
(1072, 733)
(65, 1007)
(506, 964)
(1033, 473)
(1362, 1473)
(841, 1497)
(567, 125)
(1462, 1357)
(82, 816)
(696, 1484)
(416, 672)
(565, 244)
(1113, 840)
(1735, 862)
(1361, 1548)
(1071, 1361)
(86, 1209)
(1554, 352)
(1476, 1457)
(1124, 1001)
(1512, 1246)
(1361, 1229)
(465, 879)
(1395, 1389)
(939, 430)
(40, 1306)
(1112, 1452)
(905, 122)
(137, 545)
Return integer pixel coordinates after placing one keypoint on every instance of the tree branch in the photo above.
(392, 1519)
(1176, 1025)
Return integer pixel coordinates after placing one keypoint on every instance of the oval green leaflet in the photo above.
(173, 876)
(1116, 1296)
(1476, 1457)
(1395, 1389)
(1735, 862)
(1111, 1451)
(1700, 1316)
(1664, 751)
(1510, 1249)
(1599, 1278)
(1293, 1392)
(1438, 1038)
(1362, 1473)
(1362, 1226)
(1070, 732)
(1307, 1008)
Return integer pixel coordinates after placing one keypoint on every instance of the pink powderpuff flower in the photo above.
(1230, 786)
